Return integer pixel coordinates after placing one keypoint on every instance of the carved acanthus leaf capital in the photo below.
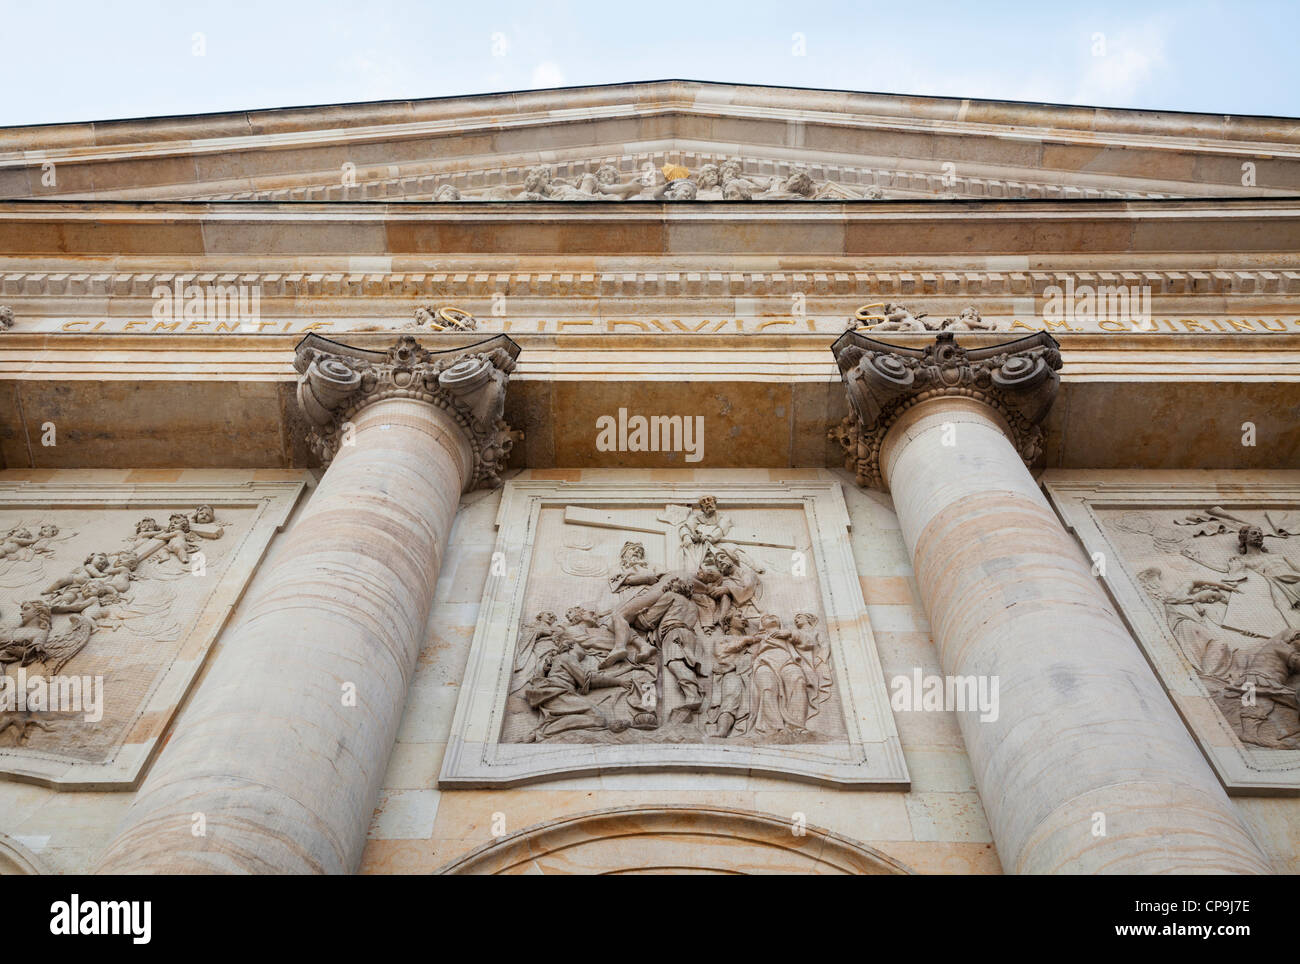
(336, 381)
(1017, 379)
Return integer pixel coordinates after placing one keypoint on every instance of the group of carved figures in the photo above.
(689, 649)
(1239, 626)
(92, 592)
(887, 316)
(712, 182)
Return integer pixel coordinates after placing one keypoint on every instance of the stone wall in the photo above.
(936, 827)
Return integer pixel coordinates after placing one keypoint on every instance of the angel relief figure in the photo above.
(95, 566)
(16, 542)
(176, 541)
(20, 549)
(22, 644)
(151, 610)
(969, 319)
(33, 641)
(100, 576)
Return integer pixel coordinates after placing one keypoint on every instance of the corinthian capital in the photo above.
(1017, 379)
(336, 381)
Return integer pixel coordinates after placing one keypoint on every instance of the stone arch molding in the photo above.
(15, 859)
(674, 839)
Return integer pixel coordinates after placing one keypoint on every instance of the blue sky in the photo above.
(98, 60)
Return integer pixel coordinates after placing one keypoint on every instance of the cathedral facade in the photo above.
(661, 477)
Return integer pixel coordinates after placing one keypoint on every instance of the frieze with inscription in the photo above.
(422, 319)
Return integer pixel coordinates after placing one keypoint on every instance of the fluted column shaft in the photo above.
(1087, 768)
(275, 757)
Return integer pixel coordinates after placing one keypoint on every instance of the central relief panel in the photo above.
(665, 626)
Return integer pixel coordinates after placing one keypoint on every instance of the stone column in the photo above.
(281, 753)
(1084, 731)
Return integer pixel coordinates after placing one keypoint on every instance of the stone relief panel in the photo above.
(732, 179)
(653, 626)
(110, 597)
(1209, 579)
(697, 614)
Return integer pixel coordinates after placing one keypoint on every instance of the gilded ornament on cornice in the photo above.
(887, 316)
(446, 318)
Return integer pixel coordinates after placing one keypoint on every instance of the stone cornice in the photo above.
(329, 120)
(481, 280)
(336, 381)
(1017, 379)
(1215, 362)
(987, 148)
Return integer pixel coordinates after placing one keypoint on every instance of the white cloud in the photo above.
(1131, 60)
(548, 74)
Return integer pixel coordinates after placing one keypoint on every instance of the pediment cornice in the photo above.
(919, 146)
(887, 179)
(415, 117)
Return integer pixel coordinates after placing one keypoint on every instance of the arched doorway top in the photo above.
(674, 839)
(17, 859)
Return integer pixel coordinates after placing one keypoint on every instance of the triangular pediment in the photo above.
(592, 143)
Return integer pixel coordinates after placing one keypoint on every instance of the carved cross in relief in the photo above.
(677, 554)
